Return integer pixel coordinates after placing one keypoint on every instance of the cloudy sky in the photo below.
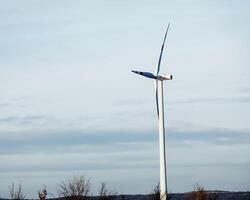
(69, 104)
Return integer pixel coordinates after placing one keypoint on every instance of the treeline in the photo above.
(79, 188)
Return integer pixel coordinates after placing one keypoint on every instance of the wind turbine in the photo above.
(158, 79)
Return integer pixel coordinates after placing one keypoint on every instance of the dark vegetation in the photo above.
(79, 188)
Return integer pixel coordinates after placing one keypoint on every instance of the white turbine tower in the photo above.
(160, 111)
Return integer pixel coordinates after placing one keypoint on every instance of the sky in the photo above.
(70, 106)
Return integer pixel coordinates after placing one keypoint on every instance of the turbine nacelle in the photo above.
(165, 77)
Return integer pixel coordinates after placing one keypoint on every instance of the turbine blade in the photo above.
(156, 97)
(162, 47)
(146, 74)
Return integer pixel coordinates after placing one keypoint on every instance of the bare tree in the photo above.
(155, 195)
(77, 188)
(105, 194)
(198, 193)
(16, 193)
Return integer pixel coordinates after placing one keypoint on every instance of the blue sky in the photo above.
(71, 106)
